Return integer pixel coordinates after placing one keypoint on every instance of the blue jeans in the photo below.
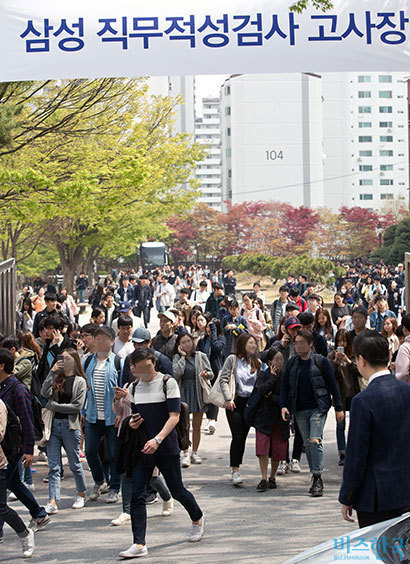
(25, 474)
(311, 424)
(14, 484)
(70, 439)
(93, 433)
(170, 468)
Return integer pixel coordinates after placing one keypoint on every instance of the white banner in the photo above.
(42, 39)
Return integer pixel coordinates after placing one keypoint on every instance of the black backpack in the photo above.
(11, 443)
(182, 427)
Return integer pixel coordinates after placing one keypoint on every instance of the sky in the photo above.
(207, 85)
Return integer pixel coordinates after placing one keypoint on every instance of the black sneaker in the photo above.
(317, 486)
(262, 486)
(272, 484)
(341, 460)
(151, 498)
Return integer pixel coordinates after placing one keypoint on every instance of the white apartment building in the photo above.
(208, 172)
(272, 138)
(365, 133)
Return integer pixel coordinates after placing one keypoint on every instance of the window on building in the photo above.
(386, 124)
(385, 78)
(386, 196)
(228, 131)
(386, 109)
(366, 182)
(228, 110)
(365, 139)
(365, 94)
(227, 89)
(386, 153)
(229, 173)
(386, 138)
(365, 153)
(385, 94)
(386, 182)
(364, 78)
(365, 124)
(365, 168)
(365, 110)
(366, 196)
(386, 167)
(228, 152)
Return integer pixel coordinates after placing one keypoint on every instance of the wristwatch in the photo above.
(159, 441)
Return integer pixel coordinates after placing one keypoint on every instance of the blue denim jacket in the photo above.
(111, 380)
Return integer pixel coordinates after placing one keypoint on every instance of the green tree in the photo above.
(302, 5)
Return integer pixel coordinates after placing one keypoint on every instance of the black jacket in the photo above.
(268, 412)
(130, 444)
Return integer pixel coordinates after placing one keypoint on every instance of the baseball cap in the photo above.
(124, 306)
(141, 335)
(292, 322)
(169, 315)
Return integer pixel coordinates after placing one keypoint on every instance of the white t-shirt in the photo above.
(137, 323)
(245, 381)
(122, 349)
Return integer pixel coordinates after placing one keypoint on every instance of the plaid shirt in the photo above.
(19, 400)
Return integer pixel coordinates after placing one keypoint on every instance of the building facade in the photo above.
(208, 172)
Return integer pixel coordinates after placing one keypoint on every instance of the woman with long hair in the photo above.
(238, 377)
(324, 326)
(65, 387)
(189, 366)
(389, 329)
(28, 314)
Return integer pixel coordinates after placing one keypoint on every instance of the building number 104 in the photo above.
(274, 155)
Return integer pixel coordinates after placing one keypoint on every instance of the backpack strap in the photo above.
(87, 362)
(117, 363)
(318, 358)
(164, 385)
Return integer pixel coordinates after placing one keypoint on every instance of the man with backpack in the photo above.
(7, 513)
(18, 399)
(103, 371)
(307, 389)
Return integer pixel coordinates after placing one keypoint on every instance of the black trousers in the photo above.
(239, 430)
(365, 519)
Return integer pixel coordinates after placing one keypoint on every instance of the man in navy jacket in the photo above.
(376, 470)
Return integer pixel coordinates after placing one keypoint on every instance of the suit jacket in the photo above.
(376, 469)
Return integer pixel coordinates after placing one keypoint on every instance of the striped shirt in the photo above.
(99, 387)
(148, 399)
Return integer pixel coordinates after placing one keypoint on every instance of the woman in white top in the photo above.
(238, 379)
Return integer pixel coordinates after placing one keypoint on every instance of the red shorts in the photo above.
(271, 445)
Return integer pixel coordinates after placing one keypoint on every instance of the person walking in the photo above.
(65, 388)
(307, 387)
(375, 474)
(189, 366)
(238, 377)
(8, 514)
(156, 405)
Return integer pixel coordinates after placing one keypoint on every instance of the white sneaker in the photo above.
(167, 507)
(197, 531)
(185, 461)
(295, 466)
(30, 487)
(97, 491)
(283, 468)
(12, 497)
(28, 544)
(51, 509)
(113, 497)
(79, 502)
(195, 458)
(134, 552)
(121, 520)
(236, 479)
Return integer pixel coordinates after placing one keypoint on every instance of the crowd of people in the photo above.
(132, 403)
